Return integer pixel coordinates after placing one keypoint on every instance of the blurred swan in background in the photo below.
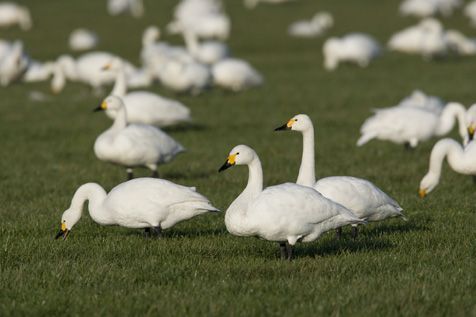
(152, 204)
(235, 74)
(134, 7)
(470, 12)
(357, 48)
(14, 14)
(319, 24)
(13, 63)
(206, 52)
(251, 4)
(426, 8)
(133, 145)
(419, 99)
(411, 125)
(83, 39)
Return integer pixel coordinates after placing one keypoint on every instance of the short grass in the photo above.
(423, 267)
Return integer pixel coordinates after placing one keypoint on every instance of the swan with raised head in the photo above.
(152, 204)
(319, 23)
(235, 74)
(363, 198)
(285, 213)
(411, 125)
(144, 106)
(135, 144)
(460, 159)
(356, 48)
(12, 14)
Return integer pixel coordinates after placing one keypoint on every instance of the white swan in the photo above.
(38, 71)
(135, 144)
(363, 198)
(411, 125)
(470, 12)
(425, 8)
(285, 213)
(459, 43)
(153, 204)
(418, 99)
(185, 76)
(460, 159)
(235, 74)
(143, 106)
(12, 13)
(207, 52)
(134, 7)
(319, 23)
(357, 48)
(13, 64)
(83, 39)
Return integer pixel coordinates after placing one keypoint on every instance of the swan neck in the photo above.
(448, 117)
(307, 174)
(120, 122)
(443, 148)
(120, 86)
(191, 42)
(255, 179)
(96, 195)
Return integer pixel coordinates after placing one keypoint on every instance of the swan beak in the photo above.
(229, 163)
(63, 232)
(286, 126)
(471, 130)
(422, 193)
(101, 107)
(106, 67)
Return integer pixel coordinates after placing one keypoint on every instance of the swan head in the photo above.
(300, 122)
(427, 184)
(68, 220)
(150, 35)
(471, 121)
(239, 155)
(113, 103)
(114, 64)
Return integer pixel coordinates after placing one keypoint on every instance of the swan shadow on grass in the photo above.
(385, 229)
(177, 233)
(186, 127)
(335, 247)
(189, 175)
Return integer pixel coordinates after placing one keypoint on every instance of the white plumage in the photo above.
(281, 213)
(140, 203)
(235, 74)
(135, 144)
(82, 40)
(320, 23)
(12, 14)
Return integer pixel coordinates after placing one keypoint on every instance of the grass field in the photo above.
(423, 267)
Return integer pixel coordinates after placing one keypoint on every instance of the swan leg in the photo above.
(157, 231)
(355, 232)
(474, 179)
(284, 251)
(155, 174)
(146, 232)
(289, 251)
(338, 233)
(130, 174)
(408, 146)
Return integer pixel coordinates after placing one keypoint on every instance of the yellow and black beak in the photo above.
(286, 126)
(471, 130)
(422, 193)
(101, 107)
(63, 232)
(230, 161)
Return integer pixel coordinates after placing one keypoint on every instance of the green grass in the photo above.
(423, 267)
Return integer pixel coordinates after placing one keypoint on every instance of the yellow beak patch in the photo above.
(63, 226)
(471, 129)
(422, 193)
(290, 123)
(231, 159)
(104, 105)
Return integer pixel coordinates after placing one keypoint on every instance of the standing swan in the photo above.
(284, 213)
(153, 204)
(460, 159)
(360, 196)
(135, 144)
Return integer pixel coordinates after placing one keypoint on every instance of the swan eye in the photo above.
(237, 153)
(296, 120)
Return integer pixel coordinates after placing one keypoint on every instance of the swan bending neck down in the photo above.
(460, 159)
(285, 213)
(453, 112)
(141, 203)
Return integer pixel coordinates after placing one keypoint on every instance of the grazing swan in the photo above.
(82, 40)
(153, 204)
(363, 198)
(285, 213)
(235, 74)
(143, 106)
(411, 125)
(320, 23)
(357, 48)
(207, 52)
(135, 144)
(460, 159)
(11, 14)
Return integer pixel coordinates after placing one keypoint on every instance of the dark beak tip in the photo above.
(282, 128)
(97, 109)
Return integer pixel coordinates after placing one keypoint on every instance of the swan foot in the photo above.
(130, 174)
(286, 251)
(338, 233)
(157, 231)
(355, 232)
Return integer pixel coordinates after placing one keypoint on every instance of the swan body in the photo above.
(13, 64)
(12, 14)
(134, 7)
(426, 8)
(459, 43)
(282, 213)
(363, 198)
(82, 40)
(426, 38)
(419, 99)
(143, 106)
(38, 71)
(460, 159)
(235, 74)
(355, 47)
(135, 144)
(320, 23)
(208, 52)
(411, 125)
(185, 76)
(138, 203)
